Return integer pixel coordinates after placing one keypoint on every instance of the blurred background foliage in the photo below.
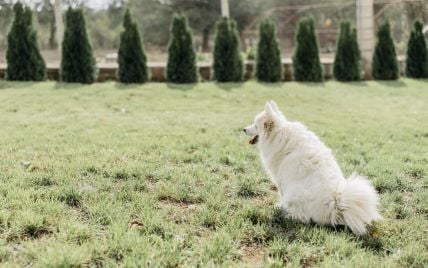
(153, 17)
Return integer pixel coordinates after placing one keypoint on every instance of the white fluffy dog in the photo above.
(310, 183)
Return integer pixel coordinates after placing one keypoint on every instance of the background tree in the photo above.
(6, 17)
(269, 66)
(181, 66)
(153, 15)
(417, 54)
(132, 59)
(78, 62)
(106, 22)
(306, 61)
(347, 59)
(106, 25)
(36, 56)
(385, 66)
(24, 61)
(45, 16)
(202, 16)
(228, 65)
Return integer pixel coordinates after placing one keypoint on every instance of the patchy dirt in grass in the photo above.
(262, 201)
(185, 202)
(180, 212)
(252, 255)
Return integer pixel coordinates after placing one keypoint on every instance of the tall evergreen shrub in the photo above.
(347, 60)
(78, 62)
(24, 61)
(306, 61)
(268, 66)
(131, 57)
(417, 53)
(385, 65)
(181, 66)
(228, 65)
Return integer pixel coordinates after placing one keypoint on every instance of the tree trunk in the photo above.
(59, 25)
(243, 43)
(225, 8)
(52, 36)
(205, 40)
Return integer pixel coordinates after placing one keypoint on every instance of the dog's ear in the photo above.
(276, 109)
(274, 106)
(271, 118)
(268, 110)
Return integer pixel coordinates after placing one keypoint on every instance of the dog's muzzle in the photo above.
(254, 139)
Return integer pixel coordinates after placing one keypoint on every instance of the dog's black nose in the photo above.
(244, 130)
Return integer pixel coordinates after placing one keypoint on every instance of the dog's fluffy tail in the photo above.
(358, 203)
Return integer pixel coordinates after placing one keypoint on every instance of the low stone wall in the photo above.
(157, 71)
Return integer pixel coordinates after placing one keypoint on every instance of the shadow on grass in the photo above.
(229, 86)
(354, 83)
(123, 86)
(271, 85)
(69, 86)
(312, 84)
(5, 84)
(280, 220)
(373, 244)
(392, 83)
(280, 225)
(182, 87)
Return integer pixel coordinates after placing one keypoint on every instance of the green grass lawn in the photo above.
(79, 163)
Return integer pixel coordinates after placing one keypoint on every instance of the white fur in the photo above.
(310, 183)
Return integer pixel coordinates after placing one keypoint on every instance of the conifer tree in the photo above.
(347, 59)
(181, 66)
(306, 61)
(131, 57)
(24, 61)
(417, 53)
(268, 66)
(78, 62)
(385, 65)
(228, 65)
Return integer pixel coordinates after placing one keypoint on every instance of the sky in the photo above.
(97, 4)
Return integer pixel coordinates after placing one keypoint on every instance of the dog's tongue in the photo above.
(254, 140)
